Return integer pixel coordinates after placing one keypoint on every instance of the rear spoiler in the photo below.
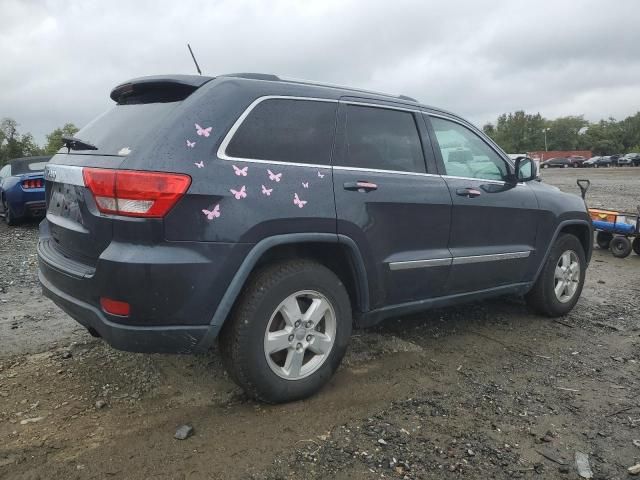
(158, 88)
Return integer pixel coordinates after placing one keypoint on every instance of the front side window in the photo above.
(465, 154)
(384, 139)
(286, 130)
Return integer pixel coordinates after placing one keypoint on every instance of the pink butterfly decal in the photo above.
(274, 176)
(305, 184)
(203, 132)
(190, 144)
(241, 172)
(320, 174)
(298, 202)
(199, 164)
(211, 214)
(266, 191)
(239, 194)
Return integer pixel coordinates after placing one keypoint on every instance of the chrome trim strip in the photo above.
(377, 170)
(378, 105)
(68, 174)
(438, 262)
(433, 262)
(483, 180)
(222, 150)
(490, 258)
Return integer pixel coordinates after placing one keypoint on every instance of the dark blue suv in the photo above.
(272, 214)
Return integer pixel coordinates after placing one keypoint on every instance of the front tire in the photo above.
(635, 245)
(289, 331)
(560, 282)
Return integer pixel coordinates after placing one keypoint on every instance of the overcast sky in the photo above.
(60, 59)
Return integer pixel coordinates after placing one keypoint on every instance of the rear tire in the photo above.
(274, 312)
(560, 282)
(603, 240)
(8, 216)
(620, 247)
(636, 245)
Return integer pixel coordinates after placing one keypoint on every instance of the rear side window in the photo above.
(384, 139)
(285, 130)
(5, 171)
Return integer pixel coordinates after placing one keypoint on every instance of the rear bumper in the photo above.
(156, 339)
(28, 203)
(173, 289)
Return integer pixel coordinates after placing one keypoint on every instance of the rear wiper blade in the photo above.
(73, 143)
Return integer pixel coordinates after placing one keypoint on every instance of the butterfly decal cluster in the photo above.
(241, 192)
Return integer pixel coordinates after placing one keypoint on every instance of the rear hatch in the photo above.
(80, 222)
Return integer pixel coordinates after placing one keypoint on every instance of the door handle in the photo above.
(468, 192)
(360, 186)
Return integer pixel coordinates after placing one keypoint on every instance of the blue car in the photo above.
(22, 188)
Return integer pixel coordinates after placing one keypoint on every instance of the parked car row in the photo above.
(630, 159)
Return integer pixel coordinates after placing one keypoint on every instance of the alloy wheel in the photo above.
(300, 335)
(567, 276)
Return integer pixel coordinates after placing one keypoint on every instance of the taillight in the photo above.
(33, 183)
(133, 193)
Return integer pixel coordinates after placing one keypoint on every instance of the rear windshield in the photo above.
(20, 168)
(123, 128)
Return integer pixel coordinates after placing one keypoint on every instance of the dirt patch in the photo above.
(486, 390)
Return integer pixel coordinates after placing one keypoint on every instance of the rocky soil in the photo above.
(486, 390)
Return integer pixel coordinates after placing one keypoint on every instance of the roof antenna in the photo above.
(194, 59)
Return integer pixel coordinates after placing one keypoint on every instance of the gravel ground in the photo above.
(486, 390)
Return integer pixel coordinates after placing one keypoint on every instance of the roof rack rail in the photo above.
(253, 76)
(275, 78)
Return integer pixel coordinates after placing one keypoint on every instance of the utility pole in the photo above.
(545, 139)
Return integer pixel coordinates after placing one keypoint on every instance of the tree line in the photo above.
(520, 132)
(14, 144)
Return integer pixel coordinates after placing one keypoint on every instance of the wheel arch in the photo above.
(337, 252)
(581, 229)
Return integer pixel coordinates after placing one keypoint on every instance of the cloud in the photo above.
(479, 59)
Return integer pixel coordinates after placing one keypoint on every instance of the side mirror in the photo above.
(525, 170)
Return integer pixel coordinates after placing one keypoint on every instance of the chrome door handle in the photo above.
(468, 192)
(360, 186)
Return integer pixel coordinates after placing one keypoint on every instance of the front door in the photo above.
(493, 225)
(397, 213)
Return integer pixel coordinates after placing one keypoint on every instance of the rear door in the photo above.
(395, 208)
(493, 224)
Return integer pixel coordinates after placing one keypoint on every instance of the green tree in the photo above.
(13, 144)
(518, 132)
(564, 132)
(54, 139)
